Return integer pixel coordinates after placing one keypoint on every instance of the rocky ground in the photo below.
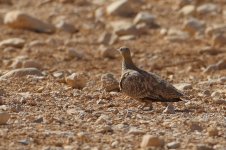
(59, 72)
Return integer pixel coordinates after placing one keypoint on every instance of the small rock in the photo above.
(39, 120)
(4, 117)
(115, 144)
(210, 51)
(120, 8)
(21, 72)
(58, 74)
(124, 28)
(77, 80)
(175, 35)
(194, 126)
(213, 131)
(203, 147)
(127, 37)
(106, 52)
(24, 142)
(145, 17)
(73, 53)
(219, 40)
(109, 83)
(216, 94)
(173, 145)
(169, 110)
(14, 42)
(194, 26)
(149, 140)
(21, 20)
(99, 13)
(183, 86)
(36, 43)
(135, 131)
(104, 129)
(187, 10)
(207, 8)
(67, 27)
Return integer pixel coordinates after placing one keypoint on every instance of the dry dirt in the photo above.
(48, 114)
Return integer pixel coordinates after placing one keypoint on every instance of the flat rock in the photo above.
(16, 73)
(207, 8)
(106, 52)
(120, 8)
(173, 145)
(187, 10)
(21, 20)
(77, 80)
(124, 28)
(151, 141)
(4, 117)
(135, 131)
(13, 42)
(145, 17)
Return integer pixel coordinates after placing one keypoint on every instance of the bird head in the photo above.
(125, 52)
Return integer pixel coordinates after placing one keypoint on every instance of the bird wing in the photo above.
(147, 86)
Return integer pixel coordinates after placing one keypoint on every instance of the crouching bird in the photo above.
(145, 86)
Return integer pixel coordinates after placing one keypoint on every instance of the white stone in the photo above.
(173, 145)
(135, 131)
(149, 140)
(124, 28)
(21, 72)
(187, 10)
(120, 7)
(13, 42)
(21, 20)
(144, 17)
(67, 27)
(77, 80)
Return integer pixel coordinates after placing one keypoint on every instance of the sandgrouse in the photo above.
(145, 86)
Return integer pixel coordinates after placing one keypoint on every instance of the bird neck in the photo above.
(127, 63)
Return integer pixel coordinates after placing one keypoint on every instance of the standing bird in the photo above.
(144, 86)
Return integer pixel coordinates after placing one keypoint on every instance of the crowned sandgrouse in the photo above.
(144, 86)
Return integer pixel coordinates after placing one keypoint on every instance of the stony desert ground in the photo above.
(59, 73)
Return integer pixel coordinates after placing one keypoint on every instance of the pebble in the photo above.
(149, 141)
(120, 8)
(102, 119)
(20, 20)
(124, 28)
(73, 53)
(31, 64)
(169, 109)
(13, 42)
(127, 37)
(16, 73)
(207, 8)
(109, 83)
(173, 145)
(4, 117)
(66, 27)
(83, 136)
(175, 35)
(193, 26)
(216, 29)
(220, 101)
(183, 86)
(104, 129)
(145, 17)
(187, 10)
(135, 131)
(77, 80)
(105, 38)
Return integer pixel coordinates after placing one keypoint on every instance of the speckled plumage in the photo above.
(145, 86)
